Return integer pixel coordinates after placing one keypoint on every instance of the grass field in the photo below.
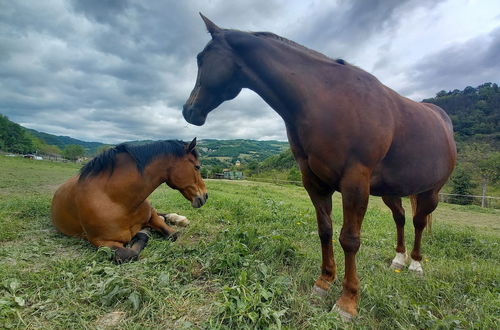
(248, 260)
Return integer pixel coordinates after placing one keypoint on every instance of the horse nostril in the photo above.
(206, 196)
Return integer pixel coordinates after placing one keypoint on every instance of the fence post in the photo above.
(483, 198)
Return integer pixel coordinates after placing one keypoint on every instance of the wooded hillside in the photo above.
(475, 112)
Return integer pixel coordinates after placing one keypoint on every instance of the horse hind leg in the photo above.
(426, 204)
(398, 213)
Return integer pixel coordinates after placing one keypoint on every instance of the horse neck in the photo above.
(131, 187)
(275, 72)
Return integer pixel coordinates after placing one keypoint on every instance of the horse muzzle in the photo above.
(199, 200)
(193, 115)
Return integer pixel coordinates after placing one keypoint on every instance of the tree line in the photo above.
(474, 111)
(16, 139)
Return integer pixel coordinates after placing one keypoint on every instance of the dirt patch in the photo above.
(110, 320)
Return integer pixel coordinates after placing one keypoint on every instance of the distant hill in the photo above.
(222, 153)
(226, 152)
(63, 141)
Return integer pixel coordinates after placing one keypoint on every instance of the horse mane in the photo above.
(142, 154)
(293, 44)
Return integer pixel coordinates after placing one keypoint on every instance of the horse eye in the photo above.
(197, 167)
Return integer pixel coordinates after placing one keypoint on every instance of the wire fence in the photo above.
(487, 201)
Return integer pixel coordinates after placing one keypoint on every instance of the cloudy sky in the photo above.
(117, 70)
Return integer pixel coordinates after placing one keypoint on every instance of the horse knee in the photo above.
(419, 222)
(350, 242)
(399, 220)
(325, 233)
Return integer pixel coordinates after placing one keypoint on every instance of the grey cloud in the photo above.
(116, 70)
(343, 28)
(470, 63)
(103, 11)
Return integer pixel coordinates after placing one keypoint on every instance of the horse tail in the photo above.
(428, 220)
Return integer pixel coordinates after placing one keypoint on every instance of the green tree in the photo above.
(295, 176)
(50, 150)
(475, 111)
(73, 152)
(204, 172)
(484, 165)
(13, 138)
(461, 184)
(489, 170)
(103, 148)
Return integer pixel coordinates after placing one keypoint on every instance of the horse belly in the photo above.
(401, 188)
(411, 174)
(105, 220)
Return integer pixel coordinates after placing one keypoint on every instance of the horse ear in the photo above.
(191, 146)
(211, 27)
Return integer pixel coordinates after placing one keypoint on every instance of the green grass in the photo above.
(248, 260)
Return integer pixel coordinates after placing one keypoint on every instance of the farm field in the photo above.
(248, 260)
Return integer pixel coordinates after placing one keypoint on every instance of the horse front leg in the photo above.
(157, 222)
(322, 201)
(355, 187)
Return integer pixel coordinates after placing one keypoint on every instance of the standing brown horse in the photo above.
(106, 204)
(347, 131)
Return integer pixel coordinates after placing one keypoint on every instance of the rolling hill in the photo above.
(223, 153)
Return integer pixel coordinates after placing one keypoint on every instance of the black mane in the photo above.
(142, 154)
(297, 46)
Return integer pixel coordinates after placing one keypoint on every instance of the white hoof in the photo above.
(416, 267)
(344, 316)
(399, 261)
(178, 220)
(319, 291)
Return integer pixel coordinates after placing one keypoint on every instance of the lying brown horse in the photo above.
(106, 204)
(347, 131)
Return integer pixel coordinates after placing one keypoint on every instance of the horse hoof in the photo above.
(319, 291)
(399, 261)
(182, 221)
(173, 237)
(176, 219)
(344, 316)
(416, 268)
(123, 255)
(397, 266)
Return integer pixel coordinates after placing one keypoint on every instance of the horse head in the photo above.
(184, 176)
(217, 79)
